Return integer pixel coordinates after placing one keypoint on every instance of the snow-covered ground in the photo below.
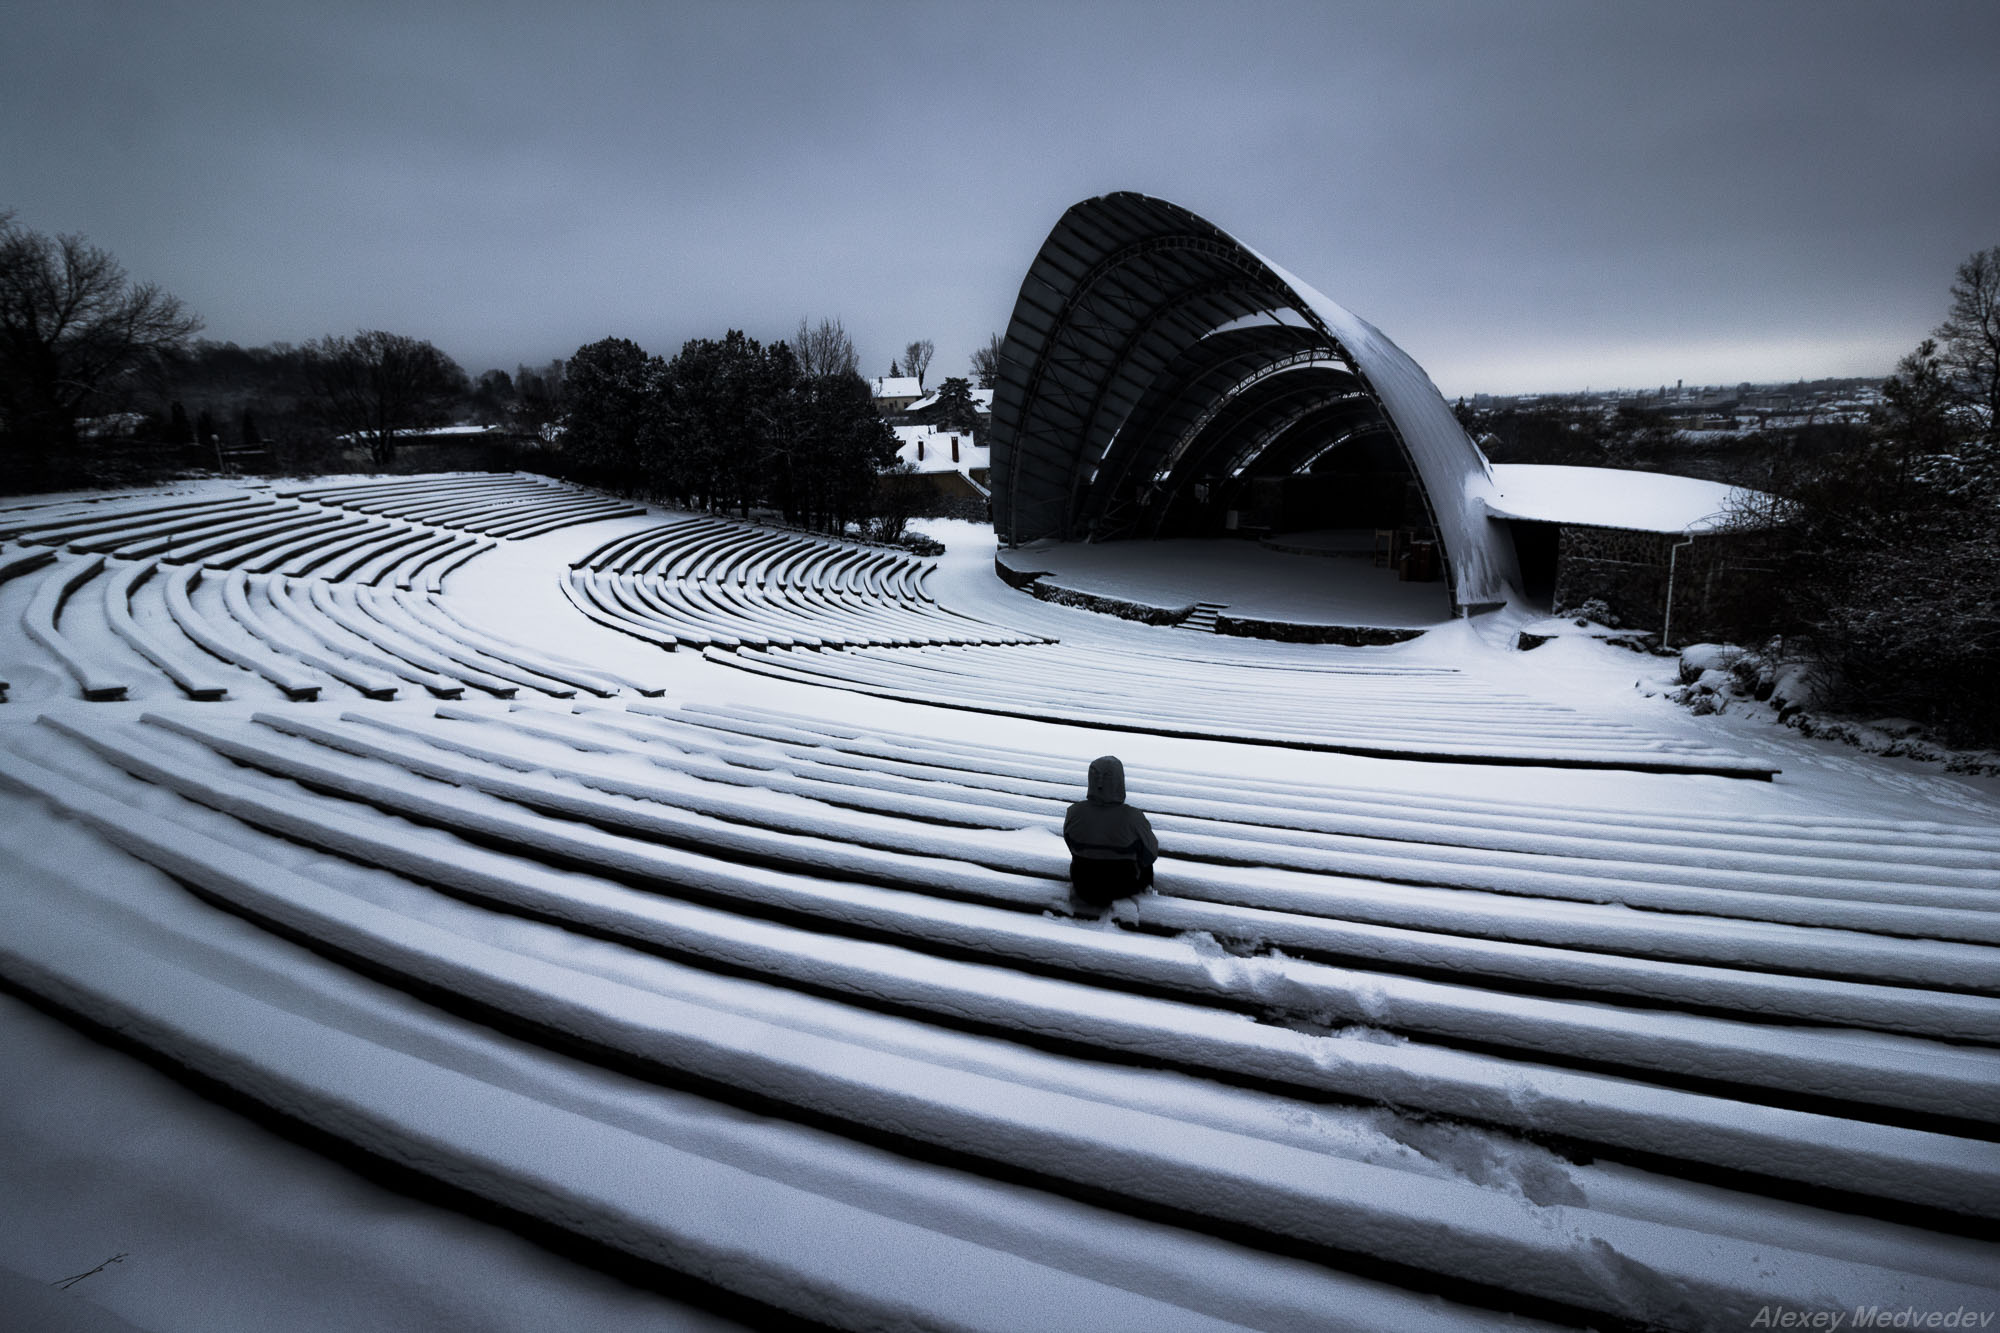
(1479, 987)
(1249, 579)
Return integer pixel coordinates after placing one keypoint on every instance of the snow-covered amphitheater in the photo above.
(469, 902)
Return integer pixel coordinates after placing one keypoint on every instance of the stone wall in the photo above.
(1109, 606)
(1285, 631)
(1716, 578)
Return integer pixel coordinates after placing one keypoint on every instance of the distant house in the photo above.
(957, 461)
(894, 393)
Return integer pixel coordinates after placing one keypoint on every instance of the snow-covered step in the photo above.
(1201, 620)
(1560, 871)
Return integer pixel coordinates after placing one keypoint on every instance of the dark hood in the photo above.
(1107, 780)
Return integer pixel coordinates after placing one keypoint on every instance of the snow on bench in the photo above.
(15, 563)
(436, 572)
(272, 546)
(97, 679)
(335, 623)
(191, 539)
(252, 605)
(1088, 688)
(495, 1139)
(452, 654)
(591, 679)
(715, 583)
(120, 515)
(505, 506)
(599, 605)
(177, 585)
(192, 679)
(1945, 1014)
(1906, 1162)
(1904, 839)
(1923, 1077)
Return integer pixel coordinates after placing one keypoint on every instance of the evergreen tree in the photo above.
(610, 390)
(955, 409)
(1890, 564)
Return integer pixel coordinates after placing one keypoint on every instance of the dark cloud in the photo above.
(1525, 195)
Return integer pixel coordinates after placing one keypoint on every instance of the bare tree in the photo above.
(72, 327)
(986, 362)
(1970, 339)
(377, 385)
(824, 349)
(917, 359)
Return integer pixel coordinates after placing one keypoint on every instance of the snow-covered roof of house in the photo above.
(937, 449)
(1602, 497)
(895, 386)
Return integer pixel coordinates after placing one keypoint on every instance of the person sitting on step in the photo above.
(1111, 846)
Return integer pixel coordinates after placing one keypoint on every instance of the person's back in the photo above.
(1111, 845)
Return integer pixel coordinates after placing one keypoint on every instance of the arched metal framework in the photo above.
(1149, 349)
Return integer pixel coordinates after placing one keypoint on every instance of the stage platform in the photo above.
(1324, 578)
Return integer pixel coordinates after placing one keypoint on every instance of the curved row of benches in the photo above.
(499, 506)
(718, 551)
(1384, 711)
(1331, 1045)
(303, 636)
(708, 583)
(264, 536)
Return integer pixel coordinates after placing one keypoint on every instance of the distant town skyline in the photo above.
(1539, 197)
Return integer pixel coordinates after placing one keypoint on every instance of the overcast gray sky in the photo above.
(1525, 196)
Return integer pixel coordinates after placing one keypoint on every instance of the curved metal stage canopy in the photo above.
(1157, 372)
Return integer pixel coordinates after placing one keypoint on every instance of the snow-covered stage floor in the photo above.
(1312, 578)
(645, 920)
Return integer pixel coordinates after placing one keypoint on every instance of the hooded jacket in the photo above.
(1102, 827)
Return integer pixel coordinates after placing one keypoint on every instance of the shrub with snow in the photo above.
(1593, 611)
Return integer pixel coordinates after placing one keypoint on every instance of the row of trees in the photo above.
(86, 354)
(88, 358)
(730, 423)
